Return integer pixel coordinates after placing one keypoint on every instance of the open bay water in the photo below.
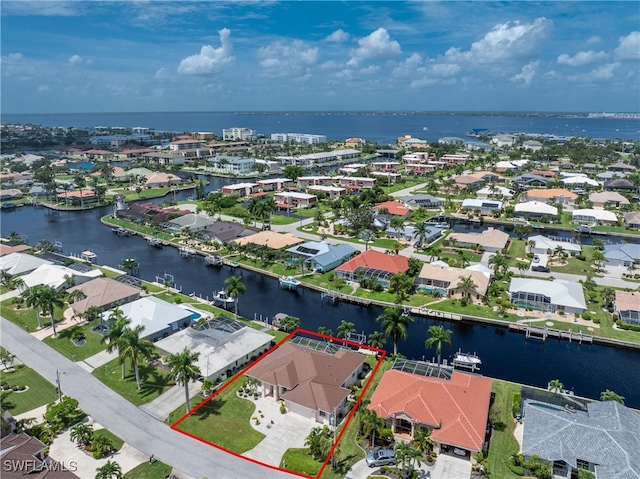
(383, 127)
(587, 369)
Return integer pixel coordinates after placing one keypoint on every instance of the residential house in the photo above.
(105, 293)
(60, 277)
(455, 408)
(594, 216)
(559, 195)
(632, 219)
(622, 167)
(373, 264)
(271, 239)
(225, 231)
(354, 142)
(453, 159)
(225, 346)
(627, 306)
(313, 383)
(293, 199)
(622, 254)
(490, 240)
(20, 263)
(274, 184)
(191, 222)
(551, 296)
(494, 191)
(429, 202)
(446, 281)
(469, 182)
(543, 245)
(321, 256)
(535, 209)
(532, 145)
(240, 189)
(484, 206)
(608, 199)
(513, 166)
(602, 437)
(24, 456)
(489, 177)
(620, 184)
(504, 140)
(409, 234)
(393, 208)
(11, 194)
(158, 179)
(545, 173)
(579, 181)
(529, 180)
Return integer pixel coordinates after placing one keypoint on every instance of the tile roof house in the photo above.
(544, 244)
(446, 281)
(104, 293)
(312, 383)
(271, 239)
(621, 167)
(7, 248)
(395, 208)
(24, 456)
(423, 201)
(456, 410)
(193, 221)
(560, 195)
(622, 254)
(529, 179)
(549, 296)
(632, 219)
(373, 264)
(607, 198)
(490, 239)
(604, 439)
(223, 231)
(627, 306)
(619, 184)
(594, 216)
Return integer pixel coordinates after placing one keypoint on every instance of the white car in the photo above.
(459, 452)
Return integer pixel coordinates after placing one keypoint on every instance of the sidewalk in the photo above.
(97, 360)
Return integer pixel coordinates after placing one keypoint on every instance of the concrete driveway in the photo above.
(446, 467)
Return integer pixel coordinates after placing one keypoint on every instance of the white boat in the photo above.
(289, 282)
(466, 360)
(213, 260)
(438, 224)
(155, 242)
(187, 252)
(222, 299)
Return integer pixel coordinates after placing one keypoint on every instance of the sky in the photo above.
(132, 56)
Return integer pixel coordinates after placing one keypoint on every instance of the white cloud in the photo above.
(408, 67)
(209, 60)
(629, 48)
(75, 60)
(593, 40)
(581, 58)
(526, 74)
(422, 82)
(503, 44)
(280, 59)
(444, 69)
(602, 73)
(339, 36)
(44, 89)
(376, 45)
(15, 64)
(162, 74)
(43, 8)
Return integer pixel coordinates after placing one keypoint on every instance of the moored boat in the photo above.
(289, 282)
(155, 242)
(466, 360)
(213, 260)
(187, 252)
(222, 299)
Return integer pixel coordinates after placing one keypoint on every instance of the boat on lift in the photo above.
(155, 242)
(222, 299)
(289, 282)
(466, 360)
(213, 260)
(187, 252)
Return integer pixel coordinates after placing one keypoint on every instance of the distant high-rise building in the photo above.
(299, 138)
(233, 134)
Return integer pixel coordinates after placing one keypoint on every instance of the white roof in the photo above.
(536, 207)
(599, 215)
(295, 194)
(238, 186)
(560, 293)
(18, 263)
(581, 180)
(498, 190)
(547, 243)
(481, 268)
(54, 275)
(153, 313)
(479, 203)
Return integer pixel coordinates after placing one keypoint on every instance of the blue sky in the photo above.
(89, 56)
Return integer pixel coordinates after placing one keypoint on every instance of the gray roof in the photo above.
(422, 199)
(18, 263)
(193, 221)
(623, 251)
(560, 293)
(607, 435)
(335, 253)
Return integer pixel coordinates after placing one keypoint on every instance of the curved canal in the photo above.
(588, 369)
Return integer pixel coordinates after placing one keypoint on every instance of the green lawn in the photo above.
(65, 346)
(224, 421)
(453, 306)
(503, 444)
(517, 250)
(115, 440)
(300, 461)
(154, 381)
(26, 317)
(146, 470)
(39, 392)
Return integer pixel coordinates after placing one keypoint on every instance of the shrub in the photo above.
(515, 405)
(331, 276)
(586, 316)
(581, 257)
(283, 410)
(596, 320)
(177, 300)
(561, 313)
(517, 470)
(96, 455)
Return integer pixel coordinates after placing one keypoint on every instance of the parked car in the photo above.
(381, 457)
(540, 269)
(459, 452)
(536, 259)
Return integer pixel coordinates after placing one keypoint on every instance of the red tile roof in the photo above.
(376, 260)
(456, 409)
(395, 208)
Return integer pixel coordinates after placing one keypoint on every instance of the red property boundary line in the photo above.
(241, 373)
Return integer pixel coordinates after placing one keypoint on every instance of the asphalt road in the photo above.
(125, 420)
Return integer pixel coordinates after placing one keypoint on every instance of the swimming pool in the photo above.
(195, 316)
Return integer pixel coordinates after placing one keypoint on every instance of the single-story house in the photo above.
(312, 383)
(158, 317)
(20, 263)
(579, 182)
(622, 254)
(486, 207)
(529, 180)
(294, 200)
(193, 221)
(105, 293)
(608, 199)
(548, 296)
(469, 182)
(158, 179)
(272, 239)
(8, 248)
(59, 277)
(594, 216)
(495, 191)
(602, 439)
(429, 202)
(409, 234)
(394, 208)
(455, 409)
(627, 305)
(373, 264)
(321, 255)
(544, 244)
(624, 167)
(225, 346)
(632, 219)
(490, 239)
(560, 195)
(447, 282)
(224, 231)
(535, 209)
(11, 194)
(620, 184)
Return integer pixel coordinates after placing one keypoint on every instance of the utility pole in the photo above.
(58, 385)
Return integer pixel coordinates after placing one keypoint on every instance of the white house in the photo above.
(535, 209)
(551, 296)
(594, 216)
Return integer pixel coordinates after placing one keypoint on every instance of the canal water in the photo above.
(587, 369)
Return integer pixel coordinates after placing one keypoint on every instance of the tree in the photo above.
(499, 262)
(10, 281)
(253, 207)
(422, 440)
(80, 183)
(319, 441)
(135, 349)
(371, 424)
(559, 251)
(400, 284)
(235, 287)
(522, 267)
(367, 236)
(92, 313)
(406, 455)
(292, 172)
(395, 324)
(376, 340)
(325, 331)
(346, 327)
(110, 470)
(45, 246)
(467, 284)
(129, 265)
(31, 297)
(184, 370)
(82, 434)
(611, 396)
(118, 323)
(49, 300)
(289, 324)
(7, 358)
(598, 257)
(269, 207)
(421, 231)
(397, 223)
(555, 386)
(437, 336)
(530, 244)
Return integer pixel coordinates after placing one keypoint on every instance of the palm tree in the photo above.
(117, 325)
(400, 284)
(559, 251)
(555, 386)
(184, 370)
(135, 349)
(130, 265)
(80, 183)
(466, 284)
(397, 223)
(253, 207)
(598, 257)
(499, 262)
(421, 231)
(110, 470)
(422, 440)
(346, 327)
(82, 434)
(92, 314)
(530, 245)
(377, 340)
(32, 299)
(325, 331)
(437, 336)
(235, 287)
(10, 281)
(371, 424)
(49, 300)
(406, 455)
(395, 324)
(367, 236)
(270, 207)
